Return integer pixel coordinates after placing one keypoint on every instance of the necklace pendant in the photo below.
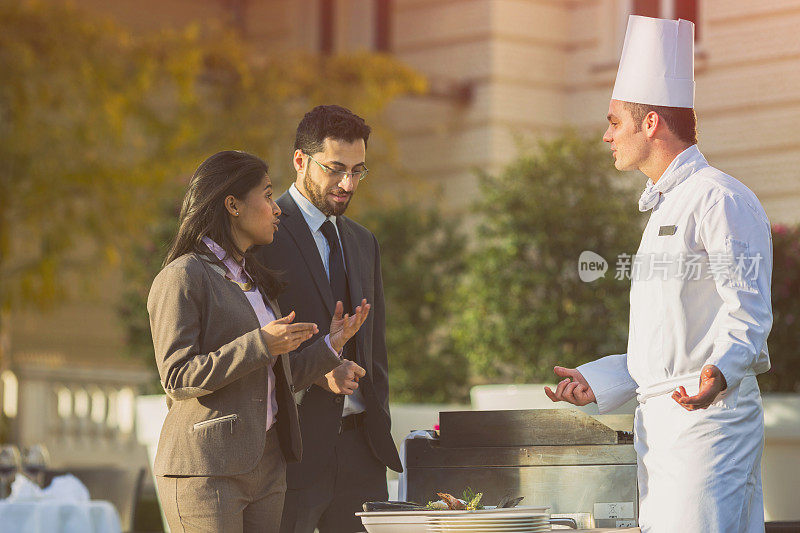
(246, 286)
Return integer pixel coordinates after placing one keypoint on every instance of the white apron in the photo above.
(700, 471)
(700, 294)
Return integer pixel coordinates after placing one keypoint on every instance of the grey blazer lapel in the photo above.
(296, 226)
(284, 359)
(276, 310)
(215, 265)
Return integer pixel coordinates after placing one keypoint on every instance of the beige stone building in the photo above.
(534, 66)
(498, 70)
(504, 69)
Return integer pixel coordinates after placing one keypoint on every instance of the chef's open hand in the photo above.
(573, 389)
(281, 336)
(343, 379)
(712, 382)
(344, 327)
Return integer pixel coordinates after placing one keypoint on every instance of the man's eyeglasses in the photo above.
(341, 174)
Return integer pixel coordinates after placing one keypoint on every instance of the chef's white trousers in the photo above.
(700, 471)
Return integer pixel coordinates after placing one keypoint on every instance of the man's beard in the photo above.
(317, 197)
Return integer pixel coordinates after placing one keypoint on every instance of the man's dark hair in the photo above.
(680, 120)
(329, 121)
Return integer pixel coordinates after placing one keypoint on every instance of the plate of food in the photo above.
(411, 517)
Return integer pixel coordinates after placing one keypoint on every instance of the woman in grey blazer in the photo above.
(222, 350)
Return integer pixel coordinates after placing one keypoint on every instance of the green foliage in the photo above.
(524, 308)
(98, 122)
(82, 144)
(784, 339)
(422, 254)
(99, 128)
(147, 254)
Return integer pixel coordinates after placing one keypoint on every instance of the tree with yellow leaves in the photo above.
(98, 126)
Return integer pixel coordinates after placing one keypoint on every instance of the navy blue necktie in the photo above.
(338, 277)
(336, 272)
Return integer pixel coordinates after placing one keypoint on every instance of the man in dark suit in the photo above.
(326, 257)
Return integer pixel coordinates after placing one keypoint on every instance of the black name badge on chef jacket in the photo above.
(667, 230)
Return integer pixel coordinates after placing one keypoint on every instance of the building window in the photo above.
(383, 25)
(327, 21)
(669, 9)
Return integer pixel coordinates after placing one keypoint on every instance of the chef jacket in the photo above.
(700, 289)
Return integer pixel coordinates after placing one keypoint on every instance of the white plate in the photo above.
(501, 512)
(446, 512)
(415, 521)
(493, 523)
(486, 526)
(539, 519)
(404, 523)
(489, 524)
(534, 529)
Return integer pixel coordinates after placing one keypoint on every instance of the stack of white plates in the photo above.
(490, 522)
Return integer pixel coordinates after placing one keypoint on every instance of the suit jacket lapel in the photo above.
(292, 219)
(351, 258)
(286, 375)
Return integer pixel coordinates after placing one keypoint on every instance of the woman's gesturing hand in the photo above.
(344, 327)
(282, 336)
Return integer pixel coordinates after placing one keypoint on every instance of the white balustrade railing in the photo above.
(85, 416)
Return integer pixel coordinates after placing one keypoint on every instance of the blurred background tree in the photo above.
(784, 376)
(100, 129)
(423, 259)
(90, 128)
(523, 306)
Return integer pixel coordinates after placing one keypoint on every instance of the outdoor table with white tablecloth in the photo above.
(49, 516)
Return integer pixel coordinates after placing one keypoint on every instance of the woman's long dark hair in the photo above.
(204, 214)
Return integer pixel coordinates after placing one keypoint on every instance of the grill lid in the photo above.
(527, 427)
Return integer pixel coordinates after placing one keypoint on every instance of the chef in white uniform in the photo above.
(700, 304)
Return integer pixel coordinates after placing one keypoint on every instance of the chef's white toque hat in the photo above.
(657, 63)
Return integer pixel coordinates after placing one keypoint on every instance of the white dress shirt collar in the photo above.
(236, 270)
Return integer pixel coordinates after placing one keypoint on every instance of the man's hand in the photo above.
(344, 327)
(343, 379)
(712, 382)
(574, 389)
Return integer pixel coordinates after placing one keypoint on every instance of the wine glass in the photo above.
(9, 466)
(35, 463)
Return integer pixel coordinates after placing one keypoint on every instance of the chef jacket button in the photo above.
(291, 387)
(339, 398)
